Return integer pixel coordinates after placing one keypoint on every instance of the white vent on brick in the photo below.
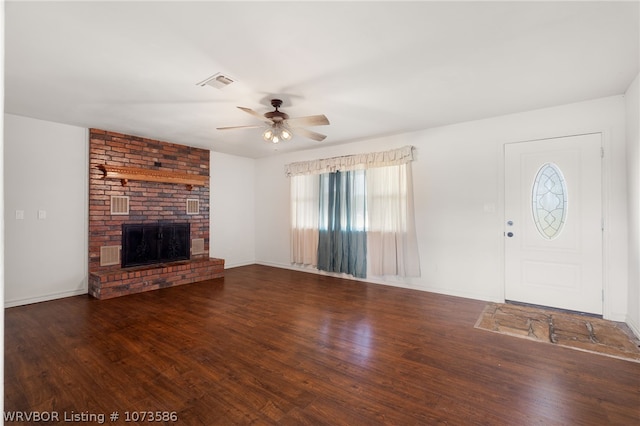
(197, 246)
(193, 206)
(119, 204)
(110, 255)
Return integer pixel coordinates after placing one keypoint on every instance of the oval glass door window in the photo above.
(549, 201)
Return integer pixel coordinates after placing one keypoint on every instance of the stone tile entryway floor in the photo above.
(572, 330)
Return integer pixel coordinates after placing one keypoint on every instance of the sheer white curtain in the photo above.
(392, 247)
(305, 207)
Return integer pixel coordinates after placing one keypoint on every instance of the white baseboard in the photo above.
(238, 264)
(398, 283)
(43, 298)
(633, 326)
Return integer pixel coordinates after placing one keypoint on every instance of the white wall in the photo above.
(632, 98)
(232, 212)
(458, 180)
(45, 168)
(2, 225)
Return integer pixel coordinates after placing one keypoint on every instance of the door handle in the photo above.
(509, 234)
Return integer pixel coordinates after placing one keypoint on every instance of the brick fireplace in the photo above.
(140, 181)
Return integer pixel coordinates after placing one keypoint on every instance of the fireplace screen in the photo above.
(145, 244)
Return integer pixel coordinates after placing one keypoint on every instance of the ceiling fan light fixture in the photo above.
(276, 134)
(280, 125)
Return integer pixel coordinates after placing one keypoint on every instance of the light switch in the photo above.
(42, 214)
(19, 214)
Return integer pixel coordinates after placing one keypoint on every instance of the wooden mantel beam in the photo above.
(125, 174)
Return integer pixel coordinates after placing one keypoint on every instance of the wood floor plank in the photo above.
(273, 346)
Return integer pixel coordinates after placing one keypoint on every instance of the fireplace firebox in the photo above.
(146, 244)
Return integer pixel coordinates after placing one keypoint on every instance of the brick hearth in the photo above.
(150, 202)
(107, 284)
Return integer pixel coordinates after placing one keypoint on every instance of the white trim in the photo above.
(398, 284)
(85, 269)
(239, 264)
(607, 309)
(502, 216)
(632, 325)
(44, 298)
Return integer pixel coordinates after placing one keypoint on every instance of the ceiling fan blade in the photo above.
(311, 120)
(255, 114)
(309, 134)
(240, 127)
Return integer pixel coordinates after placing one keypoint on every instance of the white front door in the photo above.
(553, 222)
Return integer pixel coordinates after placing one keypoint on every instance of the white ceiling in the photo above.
(373, 68)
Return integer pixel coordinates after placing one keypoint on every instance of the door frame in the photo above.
(605, 192)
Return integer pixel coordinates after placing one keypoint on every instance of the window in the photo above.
(354, 214)
(549, 201)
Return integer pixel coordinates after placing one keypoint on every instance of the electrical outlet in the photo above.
(19, 214)
(42, 214)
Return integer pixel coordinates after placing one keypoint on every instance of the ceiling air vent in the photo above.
(218, 80)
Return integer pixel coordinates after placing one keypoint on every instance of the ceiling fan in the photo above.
(281, 127)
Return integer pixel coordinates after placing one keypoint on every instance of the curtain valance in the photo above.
(351, 162)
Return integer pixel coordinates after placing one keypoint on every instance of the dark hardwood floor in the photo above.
(273, 346)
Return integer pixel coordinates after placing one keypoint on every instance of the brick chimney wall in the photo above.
(149, 202)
